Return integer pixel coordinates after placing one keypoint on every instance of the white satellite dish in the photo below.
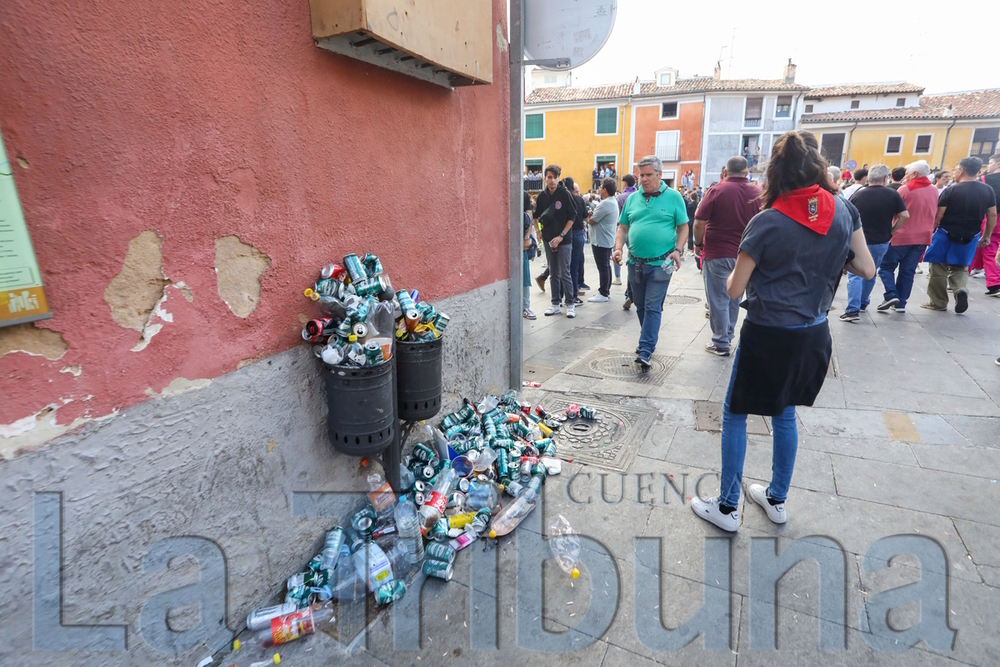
(564, 34)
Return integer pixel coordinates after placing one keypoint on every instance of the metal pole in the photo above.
(516, 187)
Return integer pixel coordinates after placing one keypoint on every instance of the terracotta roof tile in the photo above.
(979, 104)
(855, 90)
(650, 89)
(569, 94)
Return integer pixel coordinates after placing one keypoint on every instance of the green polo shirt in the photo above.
(652, 223)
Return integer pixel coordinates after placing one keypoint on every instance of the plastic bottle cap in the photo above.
(236, 644)
(352, 338)
(575, 573)
(276, 658)
(493, 534)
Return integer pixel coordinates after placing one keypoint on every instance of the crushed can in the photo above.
(355, 269)
(590, 414)
(389, 593)
(482, 520)
(438, 568)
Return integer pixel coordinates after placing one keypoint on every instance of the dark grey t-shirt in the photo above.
(797, 269)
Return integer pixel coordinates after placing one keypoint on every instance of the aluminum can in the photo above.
(389, 593)
(502, 468)
(420, 486)
(373, 353)
(355, 268)
(514, 488)
(439, 569)
(371, 287)
(588, 413)
(457, 429)
(457, 500)
(439, 551)
(332, 271)
(573, 411)
(482, 520)
(549, 450)
(364, 522)
(372, 264)
(441, 322)
(405, 302)
(260, 619)
(423, 452)
(541, 412)
(427, 312)
(466, 413)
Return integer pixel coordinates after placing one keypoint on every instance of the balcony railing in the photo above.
(751, 122)
(667, 155)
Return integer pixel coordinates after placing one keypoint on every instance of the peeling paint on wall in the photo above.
(33, 340)
(179, 386)
(238, 268)
(74, 370)
(501, 39)
(37, 429)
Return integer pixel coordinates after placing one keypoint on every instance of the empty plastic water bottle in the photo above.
(564, 545)
(408, 527)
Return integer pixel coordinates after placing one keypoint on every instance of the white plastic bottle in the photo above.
(408, 528)
(377, 571)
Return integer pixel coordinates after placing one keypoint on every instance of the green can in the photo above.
(364, 522)
(439, 569)
(457, 429)
(482, 520)
(423, 452)
(405, 300)
(389, 593)
(373, 353)
(588, 413)
(549, 450)
(466, 413)
(538, 470)
(439, 551)
(439, 531)
(441, 322)
(355, 268)
(502, 469)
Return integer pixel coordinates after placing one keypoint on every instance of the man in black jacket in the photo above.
(556, 210)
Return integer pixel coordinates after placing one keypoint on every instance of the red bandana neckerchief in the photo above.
(811, 207)
(917, 183)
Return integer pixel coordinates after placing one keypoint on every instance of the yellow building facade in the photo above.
(578, 137)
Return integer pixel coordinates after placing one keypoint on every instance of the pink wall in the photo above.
(199, 119)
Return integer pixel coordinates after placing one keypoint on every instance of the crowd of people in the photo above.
(780, 250)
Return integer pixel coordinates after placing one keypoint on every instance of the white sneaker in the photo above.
(708, 510)
(758, 493)
(570, 310)
(616, 281)
(977, 273)
(554, 310)
(528, 314)
(598, 298)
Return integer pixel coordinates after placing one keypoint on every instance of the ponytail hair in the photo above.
(795, 163)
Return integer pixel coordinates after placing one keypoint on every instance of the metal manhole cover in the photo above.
(618, 365)
(681, 300)
(611, 440)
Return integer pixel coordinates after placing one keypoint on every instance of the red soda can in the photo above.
(573, 411)
(541, 412)
(526, 383)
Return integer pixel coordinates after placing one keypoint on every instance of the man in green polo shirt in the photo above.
(653, 222)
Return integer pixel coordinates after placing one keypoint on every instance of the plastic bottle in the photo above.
(482, 494)
(406, 478)
(564, 545)
(437, 501)
(259, 619)
(377, 570)
(292, 626)
(419, 434)
(379, 492)
(347, 583)
(511, 515)
(408, 527)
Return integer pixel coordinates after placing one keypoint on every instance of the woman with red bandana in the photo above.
(790, 258)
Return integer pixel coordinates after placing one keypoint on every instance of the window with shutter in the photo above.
(923, 144)
(784, 107)
(754, 112)
(667, 145)
(607, 121)
(534, 126)
(893, 145)
(985, 142)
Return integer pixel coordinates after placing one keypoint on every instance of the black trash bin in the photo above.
(418, 369)
(361, 402)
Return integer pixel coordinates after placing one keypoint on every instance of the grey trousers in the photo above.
(722, 311)
(559, 279)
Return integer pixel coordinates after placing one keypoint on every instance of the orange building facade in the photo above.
(671, 129)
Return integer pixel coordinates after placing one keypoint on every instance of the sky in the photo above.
(933, 45)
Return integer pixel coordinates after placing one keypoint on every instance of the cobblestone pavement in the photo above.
(903, 443)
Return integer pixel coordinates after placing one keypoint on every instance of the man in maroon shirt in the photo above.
(718, 227)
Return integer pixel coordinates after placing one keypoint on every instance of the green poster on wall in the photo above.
(22, 297)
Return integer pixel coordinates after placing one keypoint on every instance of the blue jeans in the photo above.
(648, 285)
(723, 311)
(576, 262)
(525, 293)
(906, 257)
(734, 449)
(859, 289)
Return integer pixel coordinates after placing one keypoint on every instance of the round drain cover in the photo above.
(622, 366)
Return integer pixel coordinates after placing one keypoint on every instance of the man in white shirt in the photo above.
(860, 181)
